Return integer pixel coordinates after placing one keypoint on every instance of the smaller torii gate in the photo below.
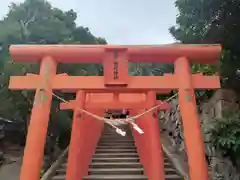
(115, 61)
(83, 141)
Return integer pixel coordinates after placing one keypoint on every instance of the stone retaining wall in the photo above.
(223, 101)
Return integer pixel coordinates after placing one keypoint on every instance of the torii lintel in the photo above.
(206, 54)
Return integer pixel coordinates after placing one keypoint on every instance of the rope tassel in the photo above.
(137, 128)
(121, 132)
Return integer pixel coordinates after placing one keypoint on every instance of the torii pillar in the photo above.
(84, 137)
(77, 136)
(148, 144)
(37, 130)
(191, 122)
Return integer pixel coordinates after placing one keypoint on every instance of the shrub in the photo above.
(225, 135)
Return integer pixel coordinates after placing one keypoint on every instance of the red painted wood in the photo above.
(208, 54)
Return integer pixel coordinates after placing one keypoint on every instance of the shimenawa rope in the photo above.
(114, 123)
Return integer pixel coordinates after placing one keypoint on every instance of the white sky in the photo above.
(121, 21)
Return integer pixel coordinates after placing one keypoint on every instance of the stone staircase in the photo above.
(116, 158)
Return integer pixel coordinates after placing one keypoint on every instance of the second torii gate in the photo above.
(96, 103)
(116, 79)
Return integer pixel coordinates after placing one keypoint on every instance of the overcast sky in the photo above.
(121, 21)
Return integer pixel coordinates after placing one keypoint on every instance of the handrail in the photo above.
(51, 171)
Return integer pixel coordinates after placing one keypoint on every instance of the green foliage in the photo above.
(37, 22)
(225, 136)
(211, 21)
(149, 69)
(42, 171)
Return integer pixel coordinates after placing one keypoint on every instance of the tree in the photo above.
(215, 21)
(37, 22)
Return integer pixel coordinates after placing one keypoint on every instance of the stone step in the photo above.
(61, 171)
(116, 165)
(127, 177)
(115, 177)
(167, 165)
(115, 159)
(114, 147)
(106, 177)
(116, 171)
(118, 177)
(121, 159)
(115, 150)
(115, 144)
(168, 171)
(117, 140)
(110, 140)
(119, 154)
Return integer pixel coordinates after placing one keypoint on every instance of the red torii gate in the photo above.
(96, 103)
(115, 60)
